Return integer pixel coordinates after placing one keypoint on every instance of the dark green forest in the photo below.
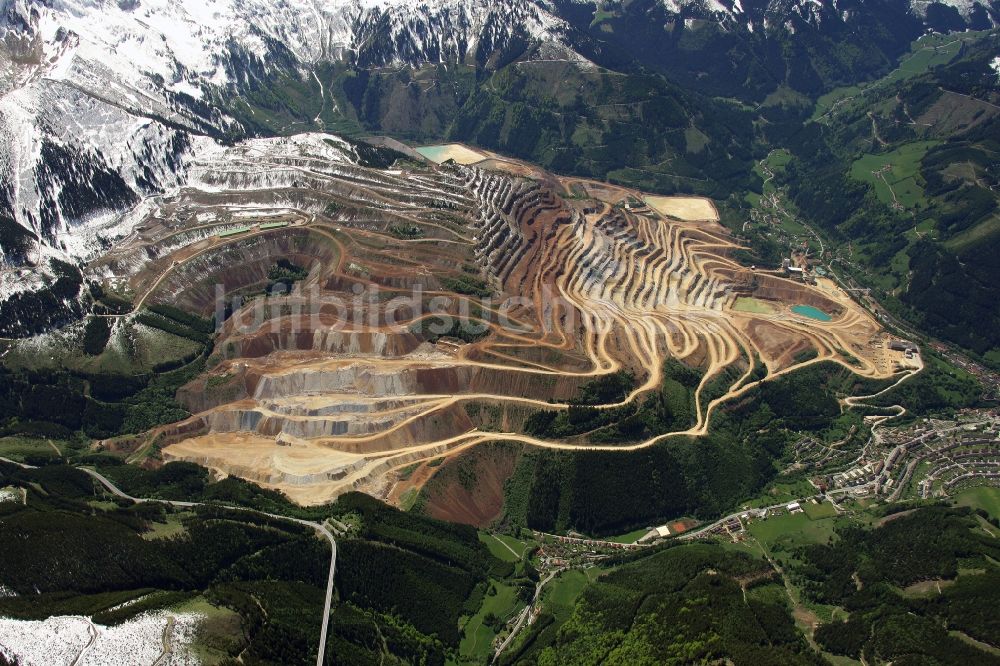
(933, 259)
(404, 577)
(594, 491)
(705, 602)
(684, 604)
(864, 570)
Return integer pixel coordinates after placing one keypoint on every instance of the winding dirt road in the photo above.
(591, 281)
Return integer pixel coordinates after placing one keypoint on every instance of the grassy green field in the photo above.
(135, 349)
(792, 530)
(561, 593)
(600, 16)
(18, 448)
(900, 263)
(778, 159)
(477, 637)
(819, 511)
(975, 234)
(783, 492)
(795, 228)
(630, 537)
(695, 140)
(827, 101)
(518, 545)
(965, 638)
(840, 660)
(785, 96)
(748, 547)
(173, 527)
(147, 347)
(408, 499)
(217, 632)
(901, 179)
(753, 305)
(495, 542)
(925, 53)
(982, 497)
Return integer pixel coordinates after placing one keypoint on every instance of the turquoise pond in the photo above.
(811, 312)
(434, 153)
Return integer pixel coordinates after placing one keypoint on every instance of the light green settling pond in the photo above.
(451, 151)
(811, 312)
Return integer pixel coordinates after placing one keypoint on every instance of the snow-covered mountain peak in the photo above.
(99, 99)
(172, 38)
(803, 8)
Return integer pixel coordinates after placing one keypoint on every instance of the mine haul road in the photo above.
(599, 287)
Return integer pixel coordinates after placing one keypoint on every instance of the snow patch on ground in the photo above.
(17, 280)
(185, 43)
(964, 7)
(53, 344)
(92, 80)
(62, 640)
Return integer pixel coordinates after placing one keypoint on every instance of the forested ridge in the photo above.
(60, 402)
(31, 312)
(684, 604)
(705, 477)
(406, 578)
(925, 239)
(865, 571)
(711, 601)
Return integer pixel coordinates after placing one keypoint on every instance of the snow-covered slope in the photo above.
(737, 9)
(189, 43)
(99, 99)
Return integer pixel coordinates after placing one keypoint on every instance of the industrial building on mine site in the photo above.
(904, 346)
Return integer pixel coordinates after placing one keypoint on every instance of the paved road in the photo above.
(117, 492)
(830, 495)
(592, 542)
(321, 653)
(525, 614)
(93, 638)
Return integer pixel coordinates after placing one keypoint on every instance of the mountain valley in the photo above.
(528, 333)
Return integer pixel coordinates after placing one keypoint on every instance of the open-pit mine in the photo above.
(440, 305)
